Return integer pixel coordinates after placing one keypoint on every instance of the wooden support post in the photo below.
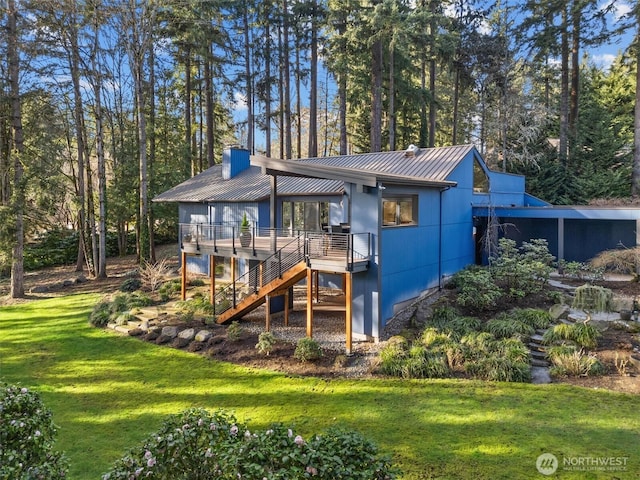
(286, 308)
(309, 303)
(348, 309)
(212, 278)
(267, 325)
(261, 274)
(183, 279)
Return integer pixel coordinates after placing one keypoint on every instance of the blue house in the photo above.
(385, 227)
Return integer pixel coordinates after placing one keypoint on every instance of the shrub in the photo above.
(392, 356)
(130, 285)
(234, 331)
(476, 290)
(569, 361)
(196, 282)
(499, 369)
(153, 274)
(266, 342)
(582, 334)
(505, 326)
(307, 349)
(101, 314)
(521, 272)
(169, 289)
(593, 297)
(218, 446)
(422, 362)
(532, 316)
(27, 434)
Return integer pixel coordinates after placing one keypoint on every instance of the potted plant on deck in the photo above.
(245, 231)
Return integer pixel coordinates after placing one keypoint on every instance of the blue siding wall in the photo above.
(234, 161)
(364, 218)
(195, 213)
(413, 258)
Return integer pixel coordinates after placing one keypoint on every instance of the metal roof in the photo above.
(430, 166)
(321, 175)
(248, 186)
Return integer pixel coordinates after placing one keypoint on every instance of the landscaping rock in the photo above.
(196, 346)
(559, 311)
(179, 342)
(163, 339)
(81, 279)
(540, 375)
(152, 335)
(68, 282)
(170, 331)
(144, 325)
(187, 334)
(135, 332)
(203, 336)
(39, 289)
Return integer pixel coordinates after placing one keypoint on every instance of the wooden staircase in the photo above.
(254, 300)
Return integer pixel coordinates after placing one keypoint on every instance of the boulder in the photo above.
(203, 336)
(39, 289)
(170, 331)
(187, 334)
(559, 311)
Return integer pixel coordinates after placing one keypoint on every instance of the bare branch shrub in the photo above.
(154, 274)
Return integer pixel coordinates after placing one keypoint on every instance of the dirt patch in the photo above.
(616, 348)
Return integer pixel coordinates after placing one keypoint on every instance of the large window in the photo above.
(480, 179)
(307, 216)
(397, 211)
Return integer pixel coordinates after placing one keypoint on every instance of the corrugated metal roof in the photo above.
(434, 164)
(250, 185)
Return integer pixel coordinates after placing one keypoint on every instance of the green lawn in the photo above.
(108, 392)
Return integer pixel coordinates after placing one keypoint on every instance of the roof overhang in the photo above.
(293, 168)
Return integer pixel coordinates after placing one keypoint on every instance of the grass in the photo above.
(108, 392)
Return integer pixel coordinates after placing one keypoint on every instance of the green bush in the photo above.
(532, 316)
(593, 297)
(170, 289)
(101, 314)
(505, 326)
(266, 342)
(199, 445)
(234, 331)
(119, 306)
(307, 350)
(130, 285)
(393, 355)
(196, 282)
(27, 434)
(477, 290)
(499, 369)
(568, 360)
(521, 271)
(582, 334)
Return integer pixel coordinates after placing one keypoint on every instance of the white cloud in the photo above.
(620, 8)
(603, 60)
(239, 102)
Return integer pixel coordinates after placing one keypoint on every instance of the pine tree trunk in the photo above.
(635, 180)
(286, 106)
(13, 59)
(376, 97)
(564, 92)
(313, 85)
(248, 79)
